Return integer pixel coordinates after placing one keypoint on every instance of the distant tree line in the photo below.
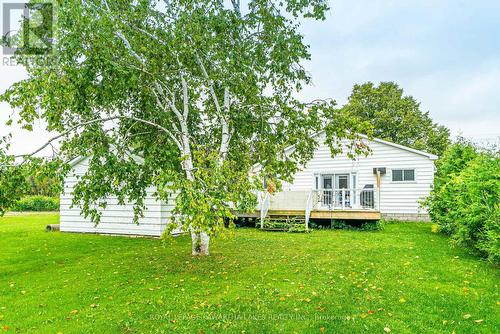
(38, 181)
(42, 186)
(33, 178)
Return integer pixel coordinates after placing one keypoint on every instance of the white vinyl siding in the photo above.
(116, 218)
(395, 197)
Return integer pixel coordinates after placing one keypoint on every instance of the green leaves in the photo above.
(17, 178)
(12, 183)
(207, 204)
(464, 200)
(175, 84)
(396, 117)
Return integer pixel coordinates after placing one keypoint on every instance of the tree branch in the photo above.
(98, 120)
(237, 6)
(185, 141)
(125, 41)
(172, 106)
(224, 116)
(210, 84)
(118, 32)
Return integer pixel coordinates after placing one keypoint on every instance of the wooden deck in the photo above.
(348, 214)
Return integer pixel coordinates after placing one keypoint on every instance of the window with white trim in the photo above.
(403, 175)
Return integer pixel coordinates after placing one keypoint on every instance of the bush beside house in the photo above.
(37, 203)
(465, 199)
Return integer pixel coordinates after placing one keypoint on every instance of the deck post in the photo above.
(378, 190)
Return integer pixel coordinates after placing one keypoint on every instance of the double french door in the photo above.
(336, 189)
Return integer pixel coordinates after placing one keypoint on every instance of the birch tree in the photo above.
(200, 90)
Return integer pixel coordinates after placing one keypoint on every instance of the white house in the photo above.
(344, 188)
(115, 219)
(390, 182)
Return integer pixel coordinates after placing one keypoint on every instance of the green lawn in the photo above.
(403, 279)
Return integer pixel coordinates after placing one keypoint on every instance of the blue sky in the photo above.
(444, 53)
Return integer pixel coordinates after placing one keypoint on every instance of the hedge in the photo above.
(465, 199)
(37, 203)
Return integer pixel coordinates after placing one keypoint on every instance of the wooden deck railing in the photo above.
(265, 203)
(323, 199)
(359, 198)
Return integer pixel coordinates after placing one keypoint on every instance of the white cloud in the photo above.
(442, 54)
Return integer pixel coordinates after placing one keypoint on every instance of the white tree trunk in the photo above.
(226, 134)
(200, 240)
(200, 243)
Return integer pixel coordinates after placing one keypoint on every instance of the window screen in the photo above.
(403, 175)
(397, 175)
(409, 175)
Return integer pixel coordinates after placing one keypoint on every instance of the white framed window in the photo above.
(403, 175)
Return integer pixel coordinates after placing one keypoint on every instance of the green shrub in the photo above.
(298, 228)
(273, 225)
(465, 199)
(37, 203)
(478, 208)
(441, 202)
(283, 225)
(357, 225)
(373, 226)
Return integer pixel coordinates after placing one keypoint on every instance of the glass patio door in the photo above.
(332, 185)
(341, 193)
(327, 181)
